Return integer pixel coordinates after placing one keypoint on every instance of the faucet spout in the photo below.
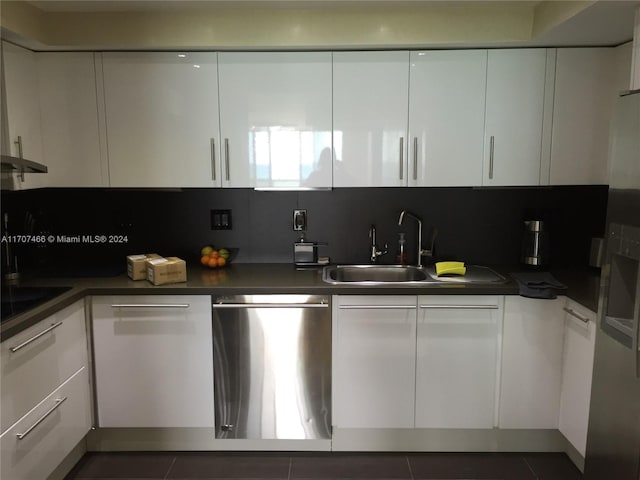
(419, 220)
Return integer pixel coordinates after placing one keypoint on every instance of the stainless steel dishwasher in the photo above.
(272, 366)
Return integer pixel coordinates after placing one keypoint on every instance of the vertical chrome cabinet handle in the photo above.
(226, 159)
(35, 337)
(401, 157)
(213, 159)
(575, 314)
(59, 401)
(415, 158)
(492, 142)
(19, 145)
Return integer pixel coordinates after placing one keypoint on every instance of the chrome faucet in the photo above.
(375, 253)
(421, 252)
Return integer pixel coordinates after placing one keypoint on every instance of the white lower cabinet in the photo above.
(46, 401)
(34, 446)
(153, 360)
(407, 361)
(531, 363)
(577, 371)
(374, 361)
(458, 352)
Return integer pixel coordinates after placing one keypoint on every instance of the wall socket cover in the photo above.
(221, 220)
(299, 220)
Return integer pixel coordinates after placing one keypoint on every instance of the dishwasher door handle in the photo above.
(270, 305)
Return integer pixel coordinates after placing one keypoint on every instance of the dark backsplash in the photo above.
(475, 225)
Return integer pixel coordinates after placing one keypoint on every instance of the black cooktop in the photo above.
(17, 299)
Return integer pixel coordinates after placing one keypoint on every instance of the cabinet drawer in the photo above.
(39, 359)
(35, 445)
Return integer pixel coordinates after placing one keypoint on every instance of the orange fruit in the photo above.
(204, 259)
(222, 261)
(213, 262)
(214, 254)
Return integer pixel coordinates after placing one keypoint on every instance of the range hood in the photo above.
(12, 164)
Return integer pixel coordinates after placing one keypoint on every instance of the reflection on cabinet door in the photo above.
(275, 119)
(370, 103)
(513, 128)
(162, 119)
(446, 117)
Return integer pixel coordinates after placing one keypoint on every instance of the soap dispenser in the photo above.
(401, 255)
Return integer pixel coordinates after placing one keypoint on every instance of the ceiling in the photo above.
(237, 24)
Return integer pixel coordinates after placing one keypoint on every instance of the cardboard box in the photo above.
(137, 265)
(166, 270)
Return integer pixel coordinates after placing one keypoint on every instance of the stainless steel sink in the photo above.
(406, 275)
(373, 274)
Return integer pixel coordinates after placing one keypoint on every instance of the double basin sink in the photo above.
(406, 275)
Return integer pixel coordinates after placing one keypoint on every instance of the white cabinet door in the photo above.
(457, 361)
(582, 113)
(577, 371)
(162, 119)
(370, 103)
(374, 361)
(531, 362)
(446, 117)
(514, 114)
(70, 130)
(153, 361)
(275, 119)
(23, 111)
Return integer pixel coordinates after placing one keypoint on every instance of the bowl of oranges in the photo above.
(216, 257)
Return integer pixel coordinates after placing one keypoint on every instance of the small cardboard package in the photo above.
(166, 270)
(137, 265)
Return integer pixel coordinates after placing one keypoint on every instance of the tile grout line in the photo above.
(409, 465)
(535, 475)
(290, 468)
(166, 475)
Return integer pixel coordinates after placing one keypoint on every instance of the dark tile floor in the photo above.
(324, 466)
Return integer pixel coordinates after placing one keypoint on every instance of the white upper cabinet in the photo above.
(370, 110)
(70, 128)
(23, 111)
(162, 119)
(275, 117)
(582, 112)
(513, 130)
(446, 117)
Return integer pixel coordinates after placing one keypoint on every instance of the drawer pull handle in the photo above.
(378, 307)
(59, 401)
(150, 305)
(461, 307)
(270, 305)
(35, 337)
(573, 313)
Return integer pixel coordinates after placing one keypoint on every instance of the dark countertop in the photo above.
(583, 287)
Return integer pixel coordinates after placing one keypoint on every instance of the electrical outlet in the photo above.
(299, 220)
(221, 220)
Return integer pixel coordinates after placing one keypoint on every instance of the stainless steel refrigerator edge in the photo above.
(613, 441)
(272, 366)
